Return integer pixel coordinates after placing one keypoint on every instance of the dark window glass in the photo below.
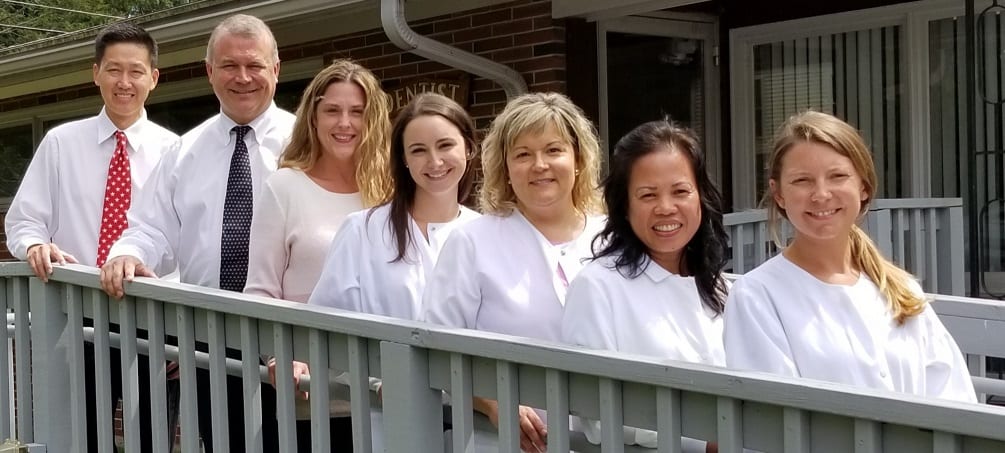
(16, 149)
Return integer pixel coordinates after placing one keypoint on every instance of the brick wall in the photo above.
(520, 34)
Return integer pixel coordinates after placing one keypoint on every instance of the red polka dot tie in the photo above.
(118, 194)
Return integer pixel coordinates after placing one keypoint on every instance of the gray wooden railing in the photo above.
(417, 361)
(922, 235)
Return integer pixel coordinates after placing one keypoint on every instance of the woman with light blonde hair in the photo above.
(335, 164)
(830, 306)
(508, 270)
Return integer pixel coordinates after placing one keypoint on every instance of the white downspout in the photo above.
(392, 18)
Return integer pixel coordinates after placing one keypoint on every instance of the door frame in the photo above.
(670, 25)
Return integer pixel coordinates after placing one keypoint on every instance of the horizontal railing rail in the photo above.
(923, 235)
(419, 361)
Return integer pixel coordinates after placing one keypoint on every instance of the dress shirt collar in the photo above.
(657, 273)
(106, 129)
(259, 125)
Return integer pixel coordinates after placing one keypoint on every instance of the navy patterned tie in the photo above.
(237, 209)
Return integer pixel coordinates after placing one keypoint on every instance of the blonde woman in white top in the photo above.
(334, 165)
(507, 271)
(830, 307)
(656, 287)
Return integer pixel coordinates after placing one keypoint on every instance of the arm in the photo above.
(31, 216)
(154, 226)
(268, 250)
(152, 236)
(946, 372)
(752, 332)
(452, 296)
(338, 285)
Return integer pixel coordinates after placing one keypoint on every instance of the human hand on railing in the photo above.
(533, 431)
(41, 257)
(711, 447)
(119, 269)
(299, 369)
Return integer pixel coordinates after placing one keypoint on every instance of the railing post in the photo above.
(950, 243)
(413, 414)
(49, 364)
(879, 227)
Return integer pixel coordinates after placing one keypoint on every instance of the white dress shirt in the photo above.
(293, 226)
(181, 217)
(781, 319)
(62, 194)
(500, 274)
(657, 314)
(358, 274)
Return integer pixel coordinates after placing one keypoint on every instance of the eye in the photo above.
(521, 155)
(417, 150)
(841, 176)
(447, 145)
(647, 196)
(357, 112)
(682, 192)
(554, 150)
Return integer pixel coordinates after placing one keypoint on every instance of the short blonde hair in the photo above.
(373, 175)
(244, 26)
(531, 113)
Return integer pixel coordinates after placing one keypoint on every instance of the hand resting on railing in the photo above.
(533, 431)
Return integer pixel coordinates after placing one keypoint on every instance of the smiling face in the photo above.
(125, 78)
(435, 153)
(339, 119)
(820, 190)
(664, 207)
(243, 75)
(542, 170)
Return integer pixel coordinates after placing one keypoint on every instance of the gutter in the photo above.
(392, 18)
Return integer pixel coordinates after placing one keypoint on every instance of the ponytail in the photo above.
(893, 282)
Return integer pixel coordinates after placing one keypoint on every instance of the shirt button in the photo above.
(563, 252)
(882, 374)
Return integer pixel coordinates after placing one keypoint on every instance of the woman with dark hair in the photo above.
(380, 258)
(655, 286)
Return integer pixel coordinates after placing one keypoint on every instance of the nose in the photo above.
(243, 75)
(343, 119)
(665, 206)
(436, 158)
(539, 162)
(820, 192)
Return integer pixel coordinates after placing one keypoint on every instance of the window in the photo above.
(16, 149)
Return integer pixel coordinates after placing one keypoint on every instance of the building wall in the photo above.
(520, 34)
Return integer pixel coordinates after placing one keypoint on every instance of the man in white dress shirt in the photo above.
(199, 211)
(72, 201)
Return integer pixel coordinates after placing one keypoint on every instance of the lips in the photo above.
(667, 227)
(542, 181)
(343, 138)
(438, 175)
(822, 214)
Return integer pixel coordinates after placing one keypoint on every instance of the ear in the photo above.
(209, 70)
(155, 74)
(863, 193)
(275, 72)
(94, 73)
(776, 193)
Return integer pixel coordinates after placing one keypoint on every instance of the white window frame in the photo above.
(913, 19)
(691, 26)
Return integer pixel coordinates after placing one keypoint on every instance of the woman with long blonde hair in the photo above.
(830, 306)
(336, 164)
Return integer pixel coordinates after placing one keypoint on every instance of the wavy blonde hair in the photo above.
(531, 113)
(827, 130)
(372, 154)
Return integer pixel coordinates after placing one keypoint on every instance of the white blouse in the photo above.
(358, 274)
(500, 274)
(657, 314)
(781, 319)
